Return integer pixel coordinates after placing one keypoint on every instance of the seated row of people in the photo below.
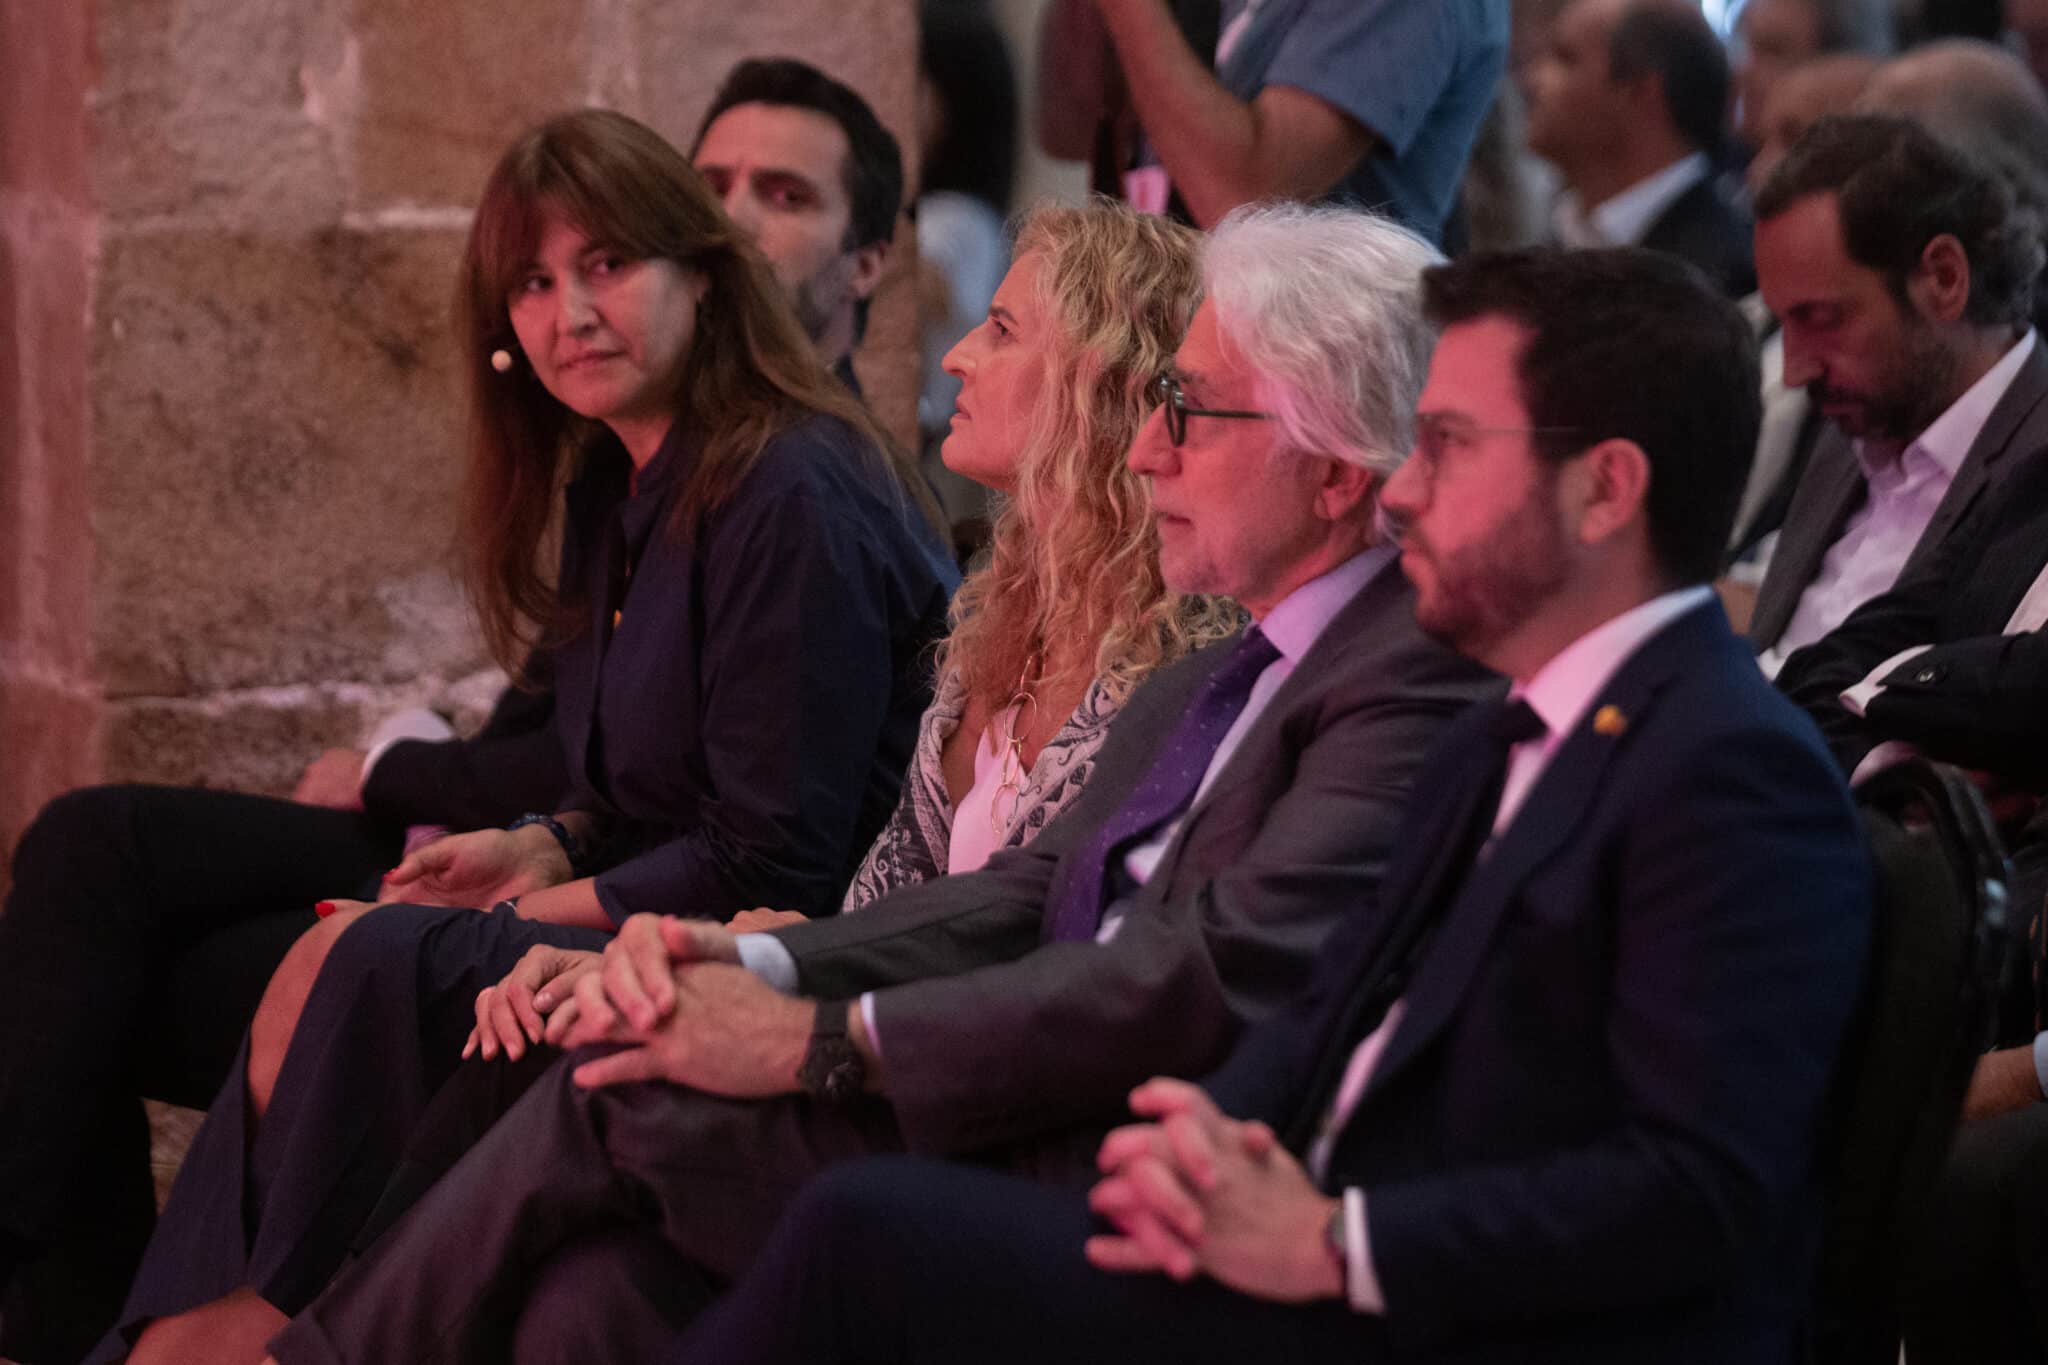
(1582, 972)
(1524, 1008)
(144, 922)
(1068, 615)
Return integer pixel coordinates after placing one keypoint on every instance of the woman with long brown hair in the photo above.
(747, 586)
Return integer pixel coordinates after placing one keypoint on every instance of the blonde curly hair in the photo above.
(1074, 554)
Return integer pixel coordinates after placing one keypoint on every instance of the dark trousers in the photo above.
(381, 1032)
(142, 927)
(1977, 1278)
(581, 1174)
(912, 1261)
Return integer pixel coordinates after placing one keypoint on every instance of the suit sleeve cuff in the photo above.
(767, 959)
(1859, 697)
(413, 723)
(2041, 1061)
(1361, 1281)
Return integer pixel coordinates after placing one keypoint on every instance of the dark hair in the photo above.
(874, 163)
(751, 371)
(1675, 44)
(1631, 344)
(967, 60)
(1897, 187)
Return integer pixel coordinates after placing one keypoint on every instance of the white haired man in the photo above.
(1244, 803)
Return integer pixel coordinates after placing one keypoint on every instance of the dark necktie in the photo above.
(1392, 966)
(1167, 789)
(1512, 722)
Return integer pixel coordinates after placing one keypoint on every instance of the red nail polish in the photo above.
(324, 909)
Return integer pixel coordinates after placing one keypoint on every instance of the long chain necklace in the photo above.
(1009, 739)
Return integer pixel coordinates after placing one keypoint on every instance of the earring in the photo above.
(501, 360)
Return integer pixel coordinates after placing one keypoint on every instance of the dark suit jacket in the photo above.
(991, 1034)
(1707, 227)
(1591, 1134)
(2014, 436)
(1976, 698)
(511, 766)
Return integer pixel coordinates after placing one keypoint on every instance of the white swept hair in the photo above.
(1324, 304)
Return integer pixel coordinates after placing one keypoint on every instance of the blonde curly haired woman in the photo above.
(1068, 613)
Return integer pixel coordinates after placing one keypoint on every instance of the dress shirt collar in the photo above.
(1622, 219)
(1300, 618)
(1948, 438)
(1563, 688)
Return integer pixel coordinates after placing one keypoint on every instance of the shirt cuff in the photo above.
(2041, 1061)
(1361, 1281)
(765, 957)
(1862, 694)
(867, 1017)
(412, 723)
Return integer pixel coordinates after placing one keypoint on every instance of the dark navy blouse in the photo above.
(740, 707)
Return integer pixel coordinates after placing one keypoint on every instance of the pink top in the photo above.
(982, 820)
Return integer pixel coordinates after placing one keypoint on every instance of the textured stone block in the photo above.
(680, 52)
(203, 114)
(258, 741)
(443, 87)
(277, 453)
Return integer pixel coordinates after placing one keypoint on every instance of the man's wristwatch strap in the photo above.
(833, 1069)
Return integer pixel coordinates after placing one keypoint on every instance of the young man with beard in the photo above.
(1903, 277)
(1557, 1100)
(803, 167)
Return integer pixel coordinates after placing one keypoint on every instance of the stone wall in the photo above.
(280, 189)
(49, 706)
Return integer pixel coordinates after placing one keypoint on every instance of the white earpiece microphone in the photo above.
(501, 360)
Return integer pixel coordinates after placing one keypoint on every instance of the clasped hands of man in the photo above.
(1191, 1190)
(672, 992)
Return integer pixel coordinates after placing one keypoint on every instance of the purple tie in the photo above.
(1168, 788)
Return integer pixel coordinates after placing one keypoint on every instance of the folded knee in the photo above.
(78, 832)
(284, 1000)
(309, 953)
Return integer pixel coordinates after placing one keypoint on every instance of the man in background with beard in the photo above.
(1902, 274)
